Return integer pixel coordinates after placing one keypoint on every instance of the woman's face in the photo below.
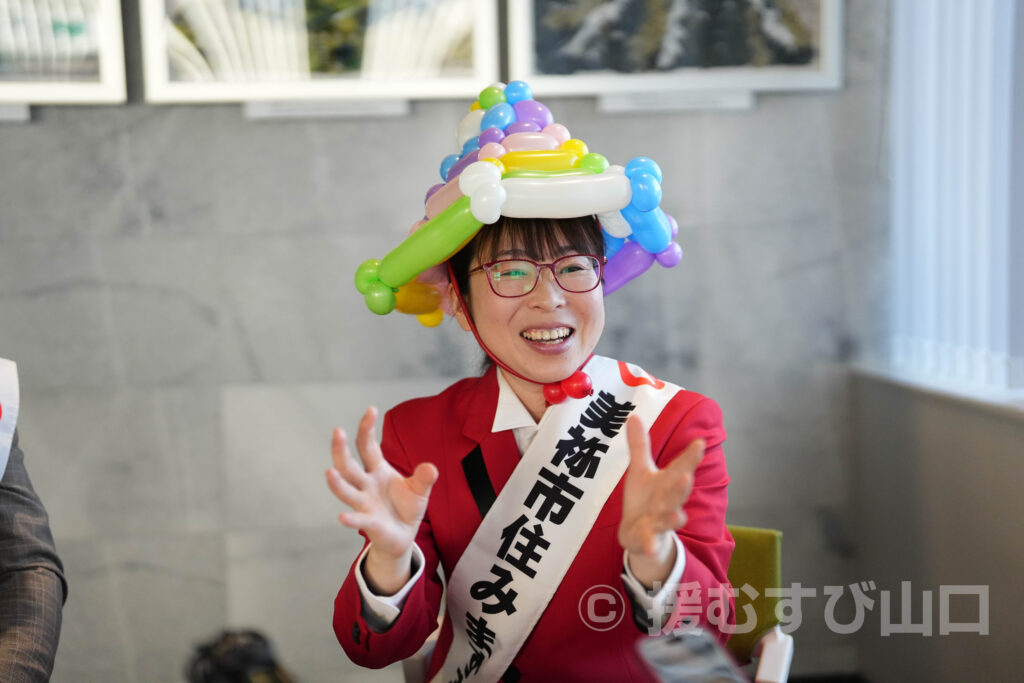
(514, 328)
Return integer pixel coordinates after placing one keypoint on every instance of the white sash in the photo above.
(8, 409)
(493, 599)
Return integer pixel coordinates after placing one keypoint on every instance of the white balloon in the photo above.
(614, 224)
(486, 203)
(469, 127)
(616, 169)
(565, 196)
(476, 175)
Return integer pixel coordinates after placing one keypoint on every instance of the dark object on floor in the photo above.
(236, 657)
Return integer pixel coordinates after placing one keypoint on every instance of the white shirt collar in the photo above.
(510, 413)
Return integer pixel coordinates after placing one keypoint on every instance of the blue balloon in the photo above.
(612, 244)
(447, 163)
(498, 116)
(516, 91)
(646, 191)
(643, 165)
(651, 229)
(470, 145)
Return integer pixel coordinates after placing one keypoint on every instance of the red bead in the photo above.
(578, 385)
(553, 393)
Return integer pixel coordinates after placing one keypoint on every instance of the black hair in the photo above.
(537, 237)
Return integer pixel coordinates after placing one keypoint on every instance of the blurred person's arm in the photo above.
(32, 584)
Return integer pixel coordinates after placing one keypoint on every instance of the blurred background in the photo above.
(176, 288)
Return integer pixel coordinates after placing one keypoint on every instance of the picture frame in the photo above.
(316, 50)
(67, 52)
(595, 47)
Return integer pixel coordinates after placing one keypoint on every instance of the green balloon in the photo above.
(594, 162)
(433, 243)
(491, 96)
(380, 298)
(540, 173)
(366, 274)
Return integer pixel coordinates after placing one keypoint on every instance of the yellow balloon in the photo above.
(432, 319)
(496, 162)
(474, 106)
(417, 298)
(576, 146)
(541, 160)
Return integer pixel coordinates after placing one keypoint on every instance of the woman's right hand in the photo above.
(386, 506)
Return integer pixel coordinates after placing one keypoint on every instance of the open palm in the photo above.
(386, 505)
(652, 498)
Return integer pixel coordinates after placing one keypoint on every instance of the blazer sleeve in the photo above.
(32, 583)
(703, 591)
(418, 618)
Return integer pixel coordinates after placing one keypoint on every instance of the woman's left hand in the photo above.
(652, 503)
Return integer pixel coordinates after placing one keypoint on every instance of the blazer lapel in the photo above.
(499, 450)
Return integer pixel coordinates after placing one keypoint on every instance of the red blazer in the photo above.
(445, 428)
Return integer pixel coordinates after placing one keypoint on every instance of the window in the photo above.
(958, 190)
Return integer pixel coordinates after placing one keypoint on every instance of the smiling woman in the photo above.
(555, 476)
(545, 332)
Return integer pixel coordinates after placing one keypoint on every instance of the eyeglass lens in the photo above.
(574, 273)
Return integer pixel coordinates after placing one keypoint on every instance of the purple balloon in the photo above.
(629, 261)
(532, 110)
(522, 127)
(670, 256)
(491, 134)
(432, 190)
(463, 163)
(672, 224)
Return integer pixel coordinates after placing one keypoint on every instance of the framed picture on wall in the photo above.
(61, 52)
(620, 46)
(252, 50)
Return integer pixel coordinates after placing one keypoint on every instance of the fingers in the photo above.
(343, 461)
(339, 448)
(639, 444)
(422, 479)
(366, 440)
(360, 520)
(346, 492)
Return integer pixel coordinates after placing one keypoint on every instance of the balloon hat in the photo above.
(515, 161)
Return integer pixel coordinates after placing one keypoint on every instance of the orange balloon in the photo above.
(417, 298)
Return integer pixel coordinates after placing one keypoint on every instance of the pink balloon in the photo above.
(442, 199)
(492, 150)
(432, 190)
(418, 224)
(629, 261)
(523, 142)
(435, 275)
(557, 131)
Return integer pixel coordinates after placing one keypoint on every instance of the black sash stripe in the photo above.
(479, 483)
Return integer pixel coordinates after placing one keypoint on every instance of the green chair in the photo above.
(757, 564)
